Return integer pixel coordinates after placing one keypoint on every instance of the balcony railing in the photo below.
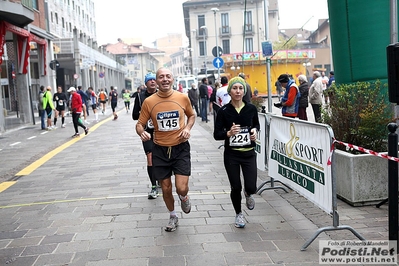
(248, 29)
(225, 31)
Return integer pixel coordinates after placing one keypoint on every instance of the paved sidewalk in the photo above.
(21, 146)
(87, 205)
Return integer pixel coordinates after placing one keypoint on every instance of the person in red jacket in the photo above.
(290, 101)
(76, 108)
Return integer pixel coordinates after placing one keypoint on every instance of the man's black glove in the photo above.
(278, 105)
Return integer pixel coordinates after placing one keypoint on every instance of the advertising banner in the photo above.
(261, 143)
(299, 156)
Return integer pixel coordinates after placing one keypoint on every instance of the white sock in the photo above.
(182, 198)
(173, 213)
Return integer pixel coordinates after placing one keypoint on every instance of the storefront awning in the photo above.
(24, 37)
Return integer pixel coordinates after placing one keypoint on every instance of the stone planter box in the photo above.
(361, 179)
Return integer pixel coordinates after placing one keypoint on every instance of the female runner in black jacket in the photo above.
(237, 124)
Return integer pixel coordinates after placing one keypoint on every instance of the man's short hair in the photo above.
(224, 80)
(203, 80)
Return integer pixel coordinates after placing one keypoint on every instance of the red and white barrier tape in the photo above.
(351, 146)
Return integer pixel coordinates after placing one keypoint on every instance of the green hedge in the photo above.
(359, 114)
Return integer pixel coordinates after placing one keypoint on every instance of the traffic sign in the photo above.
(75, 76)
(54, 64)
(214, 51)
(267, 48)
(218, 62)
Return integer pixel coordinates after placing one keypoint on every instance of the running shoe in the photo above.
(240, 221)
(185, 205)
(87, 130)
(250, 202)
(115, 117)
(172, 225)
(153, 193)
(76, 135)
(63, 125)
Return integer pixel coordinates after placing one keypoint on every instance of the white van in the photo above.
(186, 82)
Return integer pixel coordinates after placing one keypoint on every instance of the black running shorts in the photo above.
(171, 160)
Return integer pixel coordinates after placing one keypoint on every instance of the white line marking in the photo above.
(45, 132)
(16, 143)
(32, 137)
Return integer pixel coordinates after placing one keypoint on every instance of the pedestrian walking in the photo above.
(315, 95)
(203, 94)
(208, 103)
(222, 96)
(324, 82)
(303, 100)
(76, 109)
(85, 99)
(103, 99)
(151, 85)
(237, 124)
(61, 101)
(193, 95)
(41, 109)
(126, 100)
(173, 117)
(248, 95)
(48, 106)
(113, 100)
(331, 81)
(93, 99)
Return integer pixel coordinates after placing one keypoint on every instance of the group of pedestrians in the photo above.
(203, 98)
(165, 118)
(296, 99)
(79, 103)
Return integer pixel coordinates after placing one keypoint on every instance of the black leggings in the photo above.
(233, 161)
(76, 122)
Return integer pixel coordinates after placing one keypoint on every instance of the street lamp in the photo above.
(215, 9)
(203, 28)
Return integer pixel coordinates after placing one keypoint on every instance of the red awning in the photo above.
(24, 37)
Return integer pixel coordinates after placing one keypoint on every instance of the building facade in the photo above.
(81, 62)
(22, 30)
(230, 25)
(138, 60)
(49, 43)
(245, 31)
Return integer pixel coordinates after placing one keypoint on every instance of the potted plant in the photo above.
(359, 113)
(258, 102)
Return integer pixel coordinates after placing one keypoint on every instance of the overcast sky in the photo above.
(152, 19)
